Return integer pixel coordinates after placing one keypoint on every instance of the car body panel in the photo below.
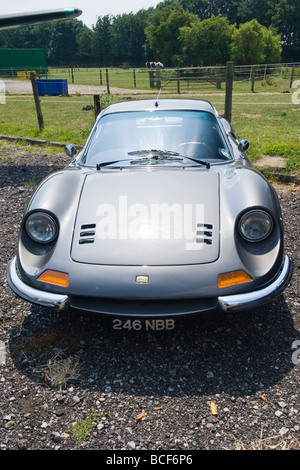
(137, 274)
(157, 240)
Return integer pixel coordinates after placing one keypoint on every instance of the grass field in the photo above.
(267, 118)
(271, 124)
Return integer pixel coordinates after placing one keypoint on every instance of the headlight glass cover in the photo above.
(41, 227)
(255, 225)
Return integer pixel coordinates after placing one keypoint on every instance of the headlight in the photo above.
(41, 227)
(255, 225)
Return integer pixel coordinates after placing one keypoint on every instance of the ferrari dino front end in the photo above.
(161, 214)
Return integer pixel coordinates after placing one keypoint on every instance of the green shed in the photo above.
(19, 60)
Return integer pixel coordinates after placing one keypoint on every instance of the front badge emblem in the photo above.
(142, 279)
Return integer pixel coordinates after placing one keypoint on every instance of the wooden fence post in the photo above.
(37, 101)
(134, 79)
(107, 82)
(292, 76)
(178, 81)
(252, 78)
(158, 79)
(151, 79)
(228, 95)
(97, 105)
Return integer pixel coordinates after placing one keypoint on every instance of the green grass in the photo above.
(64, 118)
(81, 429)
(271, 124)
(120, 78)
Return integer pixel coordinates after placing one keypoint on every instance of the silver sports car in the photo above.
(161, 214)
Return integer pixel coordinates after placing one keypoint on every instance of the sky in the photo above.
(91, 8)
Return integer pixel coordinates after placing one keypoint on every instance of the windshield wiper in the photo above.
(100, 165)
(165, 154)
(153, 155)
(201, 162)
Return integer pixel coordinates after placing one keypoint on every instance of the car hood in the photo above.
(148, 218)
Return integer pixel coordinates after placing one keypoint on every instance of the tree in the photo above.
(285, 17)
(205, 9)
(253, 43)
(34, 36)
(248, 10)
(101, 49)
(207, 42)
(127, 37)
(163, 33)
(84, 43)
(273, 48)
(63, 45)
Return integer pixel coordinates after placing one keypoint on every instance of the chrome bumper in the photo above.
(228, 303)
(259, 297)
(31, 294)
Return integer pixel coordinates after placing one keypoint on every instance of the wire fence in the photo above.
(181, 80)
(170, 80)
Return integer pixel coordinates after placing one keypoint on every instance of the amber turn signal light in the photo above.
(54, 277)
(232, 278)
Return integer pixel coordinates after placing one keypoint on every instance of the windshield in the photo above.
(130, 136)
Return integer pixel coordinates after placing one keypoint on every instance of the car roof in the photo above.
(162, 104)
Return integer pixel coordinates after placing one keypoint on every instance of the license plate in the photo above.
(146, 325)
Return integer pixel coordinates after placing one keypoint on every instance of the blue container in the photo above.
(52, 86)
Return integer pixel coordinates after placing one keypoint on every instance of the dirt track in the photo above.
(24, 87)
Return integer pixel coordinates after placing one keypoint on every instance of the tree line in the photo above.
(176, 32)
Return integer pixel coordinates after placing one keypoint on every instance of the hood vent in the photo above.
(204, 234)
(87, 234)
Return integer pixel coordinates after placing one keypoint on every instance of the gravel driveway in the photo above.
(69, 381)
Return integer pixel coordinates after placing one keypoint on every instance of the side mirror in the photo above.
(243, 145)
(71, 150)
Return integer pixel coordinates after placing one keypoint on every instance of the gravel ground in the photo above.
(69, 381)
